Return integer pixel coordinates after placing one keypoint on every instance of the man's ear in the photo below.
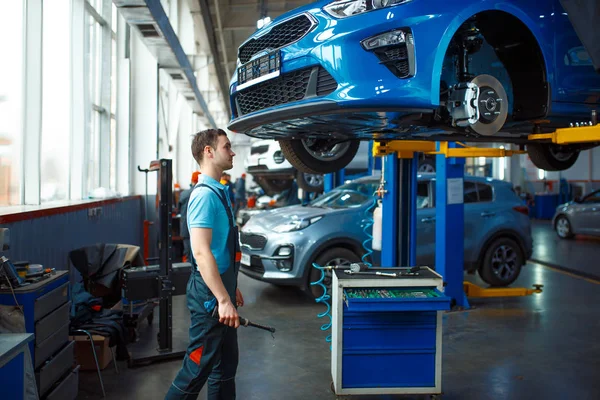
(208, 151)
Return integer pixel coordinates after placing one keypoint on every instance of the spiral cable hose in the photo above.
(323, 299)
(368, 225)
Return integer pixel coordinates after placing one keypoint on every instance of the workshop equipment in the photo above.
(158, 283)
(387, 332)
(45, 305)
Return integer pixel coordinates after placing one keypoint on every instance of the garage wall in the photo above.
(47, 240)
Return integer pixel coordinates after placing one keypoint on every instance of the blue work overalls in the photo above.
(213, 350)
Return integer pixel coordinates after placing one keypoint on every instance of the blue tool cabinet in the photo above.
(46, 309)
(383, 345)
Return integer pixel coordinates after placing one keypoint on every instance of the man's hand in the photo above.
(239, 299)
(228, 314)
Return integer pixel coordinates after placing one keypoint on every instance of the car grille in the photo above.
(280, 35)
(399, 59)
(252, 240)
(259, 149)
(288, 88)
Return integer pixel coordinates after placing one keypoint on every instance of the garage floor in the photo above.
(543, 346)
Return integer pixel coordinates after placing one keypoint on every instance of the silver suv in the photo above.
(279, 246)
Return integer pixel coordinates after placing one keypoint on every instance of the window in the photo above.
(470, 190)
(11, 97)
(95, 110)
(113, 104)
(592, 197)
(56, 102)
(485, 192)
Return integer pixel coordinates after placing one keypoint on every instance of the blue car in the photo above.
(323, 77)
(279, 246)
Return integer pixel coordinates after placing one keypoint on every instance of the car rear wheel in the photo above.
(334, 256)
(552, 157)
(311, 183)
(319, 156)
(502, 262)
(563, 227)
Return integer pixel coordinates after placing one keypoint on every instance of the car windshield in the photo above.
(353, 194)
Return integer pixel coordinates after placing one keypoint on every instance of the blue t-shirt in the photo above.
(205, 210)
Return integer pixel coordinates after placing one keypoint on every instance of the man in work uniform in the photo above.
(212, 293)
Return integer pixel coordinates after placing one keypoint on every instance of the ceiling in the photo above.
(233, 21)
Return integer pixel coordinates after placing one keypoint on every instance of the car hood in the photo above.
(272, 218)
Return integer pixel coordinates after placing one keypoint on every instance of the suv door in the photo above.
(482, 214)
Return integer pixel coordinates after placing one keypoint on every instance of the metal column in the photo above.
(399, 212)
(449, 230)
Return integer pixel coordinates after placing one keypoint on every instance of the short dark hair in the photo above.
(207, 137)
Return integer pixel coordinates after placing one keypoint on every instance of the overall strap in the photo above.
(223, 201)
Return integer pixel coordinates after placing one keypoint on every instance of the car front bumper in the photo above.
(264, 258)
(365, 85)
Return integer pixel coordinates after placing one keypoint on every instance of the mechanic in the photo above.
(212, 353)
(240, 193)
(184, 197)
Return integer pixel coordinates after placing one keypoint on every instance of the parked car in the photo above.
(274, 173)
(330, 73)
(265, 203)
(580, 216)
(279, 246)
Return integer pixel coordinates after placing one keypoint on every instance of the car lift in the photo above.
(399, 174)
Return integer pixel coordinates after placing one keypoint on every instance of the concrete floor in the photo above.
(543, 346)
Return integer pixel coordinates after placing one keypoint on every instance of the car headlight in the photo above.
(348, 8)
(296, 225)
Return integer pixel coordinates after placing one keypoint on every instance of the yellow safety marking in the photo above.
(590, 280)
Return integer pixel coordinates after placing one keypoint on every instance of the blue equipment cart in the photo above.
(387, 332)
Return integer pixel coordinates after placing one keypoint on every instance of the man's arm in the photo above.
(207, 266)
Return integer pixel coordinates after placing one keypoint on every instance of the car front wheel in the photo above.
(563, 228)
(502, 262)
(319, 156)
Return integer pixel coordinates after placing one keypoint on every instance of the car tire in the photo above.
(332, 256)
(562, 227)
(552, 157)
(319, 156)
(427, 166)
(502, 262)
(311, 183)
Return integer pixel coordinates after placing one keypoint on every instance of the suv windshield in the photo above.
(353, 194)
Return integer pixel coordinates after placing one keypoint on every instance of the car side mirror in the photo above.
(577, 199)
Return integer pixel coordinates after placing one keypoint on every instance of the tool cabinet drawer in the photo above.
(395, 299)
(49, 302)
(67, 389)
(55, 368)
(51, 345)
(52, 322)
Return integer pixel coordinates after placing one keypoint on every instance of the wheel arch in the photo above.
(518, 18)
(347, 243)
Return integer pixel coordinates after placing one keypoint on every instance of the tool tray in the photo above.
(395, 299)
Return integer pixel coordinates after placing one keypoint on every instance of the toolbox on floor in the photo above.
(387, 333)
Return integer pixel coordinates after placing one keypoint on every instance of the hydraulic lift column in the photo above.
(399, 224)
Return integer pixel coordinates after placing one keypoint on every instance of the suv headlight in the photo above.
(296, 225)
(348, 8)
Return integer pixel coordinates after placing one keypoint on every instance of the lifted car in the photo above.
(323, 77)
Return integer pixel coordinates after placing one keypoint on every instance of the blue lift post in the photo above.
(449, 228)
(399, 224)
